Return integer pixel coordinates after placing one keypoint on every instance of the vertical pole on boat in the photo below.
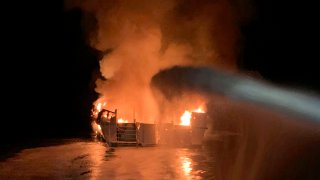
(109, 123)
(134, 114)
(116, 123)
(109, 133)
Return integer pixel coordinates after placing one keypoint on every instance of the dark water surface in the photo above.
(93, 160)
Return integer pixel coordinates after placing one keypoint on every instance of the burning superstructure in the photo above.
(190, 130)
(118, 132)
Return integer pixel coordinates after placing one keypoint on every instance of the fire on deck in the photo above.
(117, 132)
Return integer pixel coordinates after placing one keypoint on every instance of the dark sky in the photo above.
(49, 66)
(282, 44)
(47, 85)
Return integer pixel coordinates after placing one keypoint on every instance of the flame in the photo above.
(199, 110)
(97, 128)
(105, 116)
(94, 113)
(99, 107)
(120, 120)
(185, 118)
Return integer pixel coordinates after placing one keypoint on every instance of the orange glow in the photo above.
(105, 116)
(186, 166)
(185, 118)
(199, 110)
(97, 128)
(99, 107)
(94, 113)
(120, 120)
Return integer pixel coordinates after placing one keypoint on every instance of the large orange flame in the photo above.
(185, 119)
(98, 107)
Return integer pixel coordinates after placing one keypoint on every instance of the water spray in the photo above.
(242, 88)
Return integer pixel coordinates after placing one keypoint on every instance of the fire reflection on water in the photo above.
(93, 160)
(186, 165)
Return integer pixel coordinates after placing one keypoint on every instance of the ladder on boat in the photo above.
(126, 135)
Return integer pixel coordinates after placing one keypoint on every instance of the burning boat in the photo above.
(118, 132)
(190, 132)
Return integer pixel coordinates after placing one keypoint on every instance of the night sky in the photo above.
(282, 44)
(49, 71)
(48, 80)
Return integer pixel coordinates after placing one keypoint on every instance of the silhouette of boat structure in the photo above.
(117, 134)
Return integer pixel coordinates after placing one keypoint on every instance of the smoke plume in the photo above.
(144, 37)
